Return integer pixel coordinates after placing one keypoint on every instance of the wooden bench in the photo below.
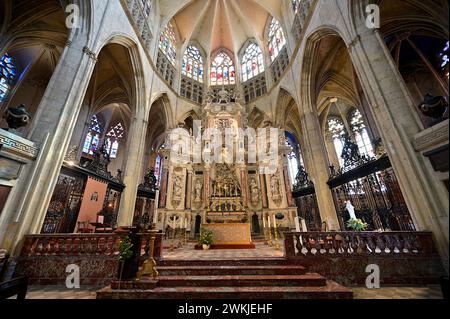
(15, 287)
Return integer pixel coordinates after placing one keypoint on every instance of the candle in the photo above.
(297, 225)
(304, 226)
(155, 215)
(274, 221)
(268, 219)
(264, 222)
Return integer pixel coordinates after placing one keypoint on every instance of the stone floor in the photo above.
(188, 252)
(431, 292)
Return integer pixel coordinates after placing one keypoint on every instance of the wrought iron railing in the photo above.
(335, 244)
(375, 193)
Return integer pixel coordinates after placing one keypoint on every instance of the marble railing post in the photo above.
(132, 172)
(398, 121)
(316, 156)
(52, 127)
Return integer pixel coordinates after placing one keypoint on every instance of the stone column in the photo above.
(398, 122)
(316, 156)
(132, 171)
(189, 189)
(262, 181)
(244, 185)
(164, 180)
(206, 185)
(52, 128)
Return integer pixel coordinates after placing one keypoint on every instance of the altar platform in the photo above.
(230, 236)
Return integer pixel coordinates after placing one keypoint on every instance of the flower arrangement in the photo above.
(206, 237)
(357, 224)
(125, 249)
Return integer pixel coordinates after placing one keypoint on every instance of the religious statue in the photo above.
(351, 209)
(275, 187)
(254, 192)
(224, 96)
(198, 191)
(177, 188)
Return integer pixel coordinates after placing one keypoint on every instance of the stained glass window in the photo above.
(252, 62)
(158, 168)
(444, 56)
(295, 159)
(360, 133)
(277, 40)
(114, 149)
(8, 72)
(114, 135)
(168, 43)
(222, 70)
(116, 132)
(337, 129)
(193, 64)
(92, 137)
(295, 5)
(87, 142)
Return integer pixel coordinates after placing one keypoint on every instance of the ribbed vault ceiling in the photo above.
(216, 24)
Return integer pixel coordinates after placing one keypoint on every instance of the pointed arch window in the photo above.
(337, 130)
(168, 43)
(362, 138)
(252, 62)
(223, 71)
(295, 159)
(113, 136)
(193, 64)
(158, 168)
(92, 138)
(8, 73)
(277, 39)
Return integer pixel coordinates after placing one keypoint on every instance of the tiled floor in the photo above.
(187, 252)
(432, 292)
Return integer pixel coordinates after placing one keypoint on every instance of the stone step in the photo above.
(231, 270)
(307, 280)
(226, 262)
(331, 290)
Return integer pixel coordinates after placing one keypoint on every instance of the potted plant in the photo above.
(206, 238)
(357, 224)
(125, 253)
